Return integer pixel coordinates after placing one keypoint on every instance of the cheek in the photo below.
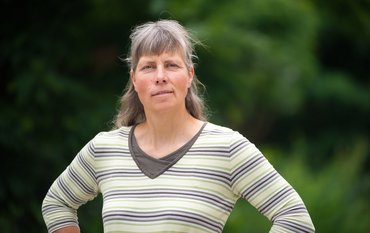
(141, 91)
(140, 85)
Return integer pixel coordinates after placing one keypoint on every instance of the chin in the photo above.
(165, 107)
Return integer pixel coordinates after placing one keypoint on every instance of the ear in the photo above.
(191, 76)
(132, 77)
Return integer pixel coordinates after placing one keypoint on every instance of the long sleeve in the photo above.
(255, 179)
(74, 187)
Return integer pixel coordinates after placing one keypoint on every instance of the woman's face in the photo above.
(162, 82)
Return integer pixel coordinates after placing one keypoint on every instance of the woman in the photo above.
(165, 168)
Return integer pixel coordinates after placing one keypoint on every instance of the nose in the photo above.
(161, 76)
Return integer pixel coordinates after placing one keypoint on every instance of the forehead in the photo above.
(172, 55)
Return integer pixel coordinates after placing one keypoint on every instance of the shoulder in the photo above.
(214, 129)
(112, 136)
(228, 135)
(230, 140)
(223, 134)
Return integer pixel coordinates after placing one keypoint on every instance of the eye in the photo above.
(147, 67)
(172, 65)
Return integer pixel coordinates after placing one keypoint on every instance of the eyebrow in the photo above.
(149, 60)
(172, 60)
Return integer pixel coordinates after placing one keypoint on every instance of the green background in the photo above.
(292, 76)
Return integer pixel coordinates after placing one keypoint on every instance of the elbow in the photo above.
(57, 215)
(295, 223)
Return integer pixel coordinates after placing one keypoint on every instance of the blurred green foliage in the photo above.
(292, 76)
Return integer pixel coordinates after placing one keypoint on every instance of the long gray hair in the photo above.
(155, 38)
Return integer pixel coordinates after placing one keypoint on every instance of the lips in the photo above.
(157, 93)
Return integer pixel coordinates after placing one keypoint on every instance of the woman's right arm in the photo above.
(74, 187)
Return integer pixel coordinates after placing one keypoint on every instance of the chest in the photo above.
(195, 185)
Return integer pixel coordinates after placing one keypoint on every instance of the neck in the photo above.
(165, 132)
(167, 125)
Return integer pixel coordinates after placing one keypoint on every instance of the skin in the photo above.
(162, 82)
(72, 229)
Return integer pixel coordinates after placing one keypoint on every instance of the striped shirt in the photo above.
(196, 194)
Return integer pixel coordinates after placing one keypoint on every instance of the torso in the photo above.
(193, 195)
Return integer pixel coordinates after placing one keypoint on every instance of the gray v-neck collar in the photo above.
(153, 167)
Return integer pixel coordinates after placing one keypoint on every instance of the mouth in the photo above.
(164, 92)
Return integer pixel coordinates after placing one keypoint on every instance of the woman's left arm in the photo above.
(255, 179)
